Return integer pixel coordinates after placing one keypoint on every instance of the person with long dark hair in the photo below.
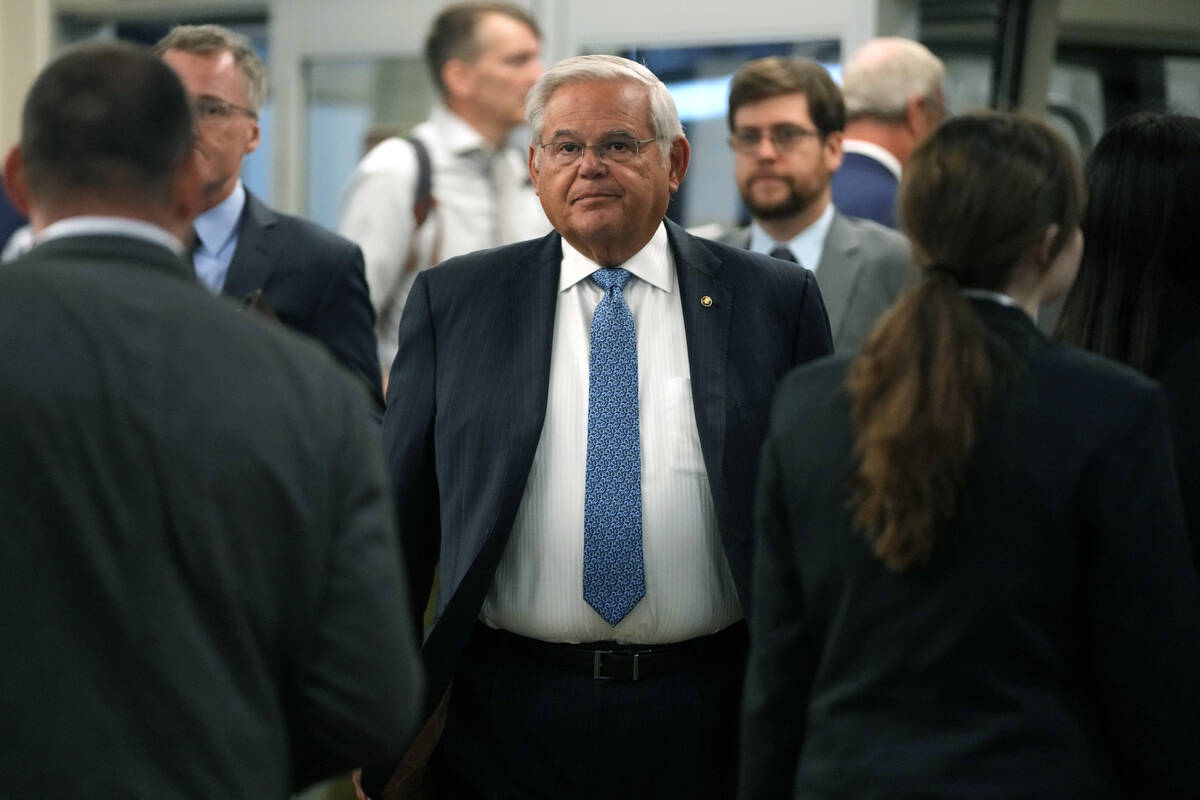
(1137, 297)
(971, 577)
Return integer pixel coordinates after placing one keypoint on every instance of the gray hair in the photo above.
(664, 118)
(206, 39)
(885, 73)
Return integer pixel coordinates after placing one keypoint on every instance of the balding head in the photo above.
(885, 74)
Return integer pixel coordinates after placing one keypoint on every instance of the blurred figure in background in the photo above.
(972, 574)
(894, 99)
(456, 185)
(199, 583)
(309, 278)
(785, 123)
(1137, 297)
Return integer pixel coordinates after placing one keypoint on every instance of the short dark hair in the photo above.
(106, 117)
(203, 40)
(765, 78)
(453, 34)
(1141, 235)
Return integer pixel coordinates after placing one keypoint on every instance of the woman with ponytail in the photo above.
(972, 576)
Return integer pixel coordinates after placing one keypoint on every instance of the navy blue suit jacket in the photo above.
(313, 280)
(467, 399)
(865, 188)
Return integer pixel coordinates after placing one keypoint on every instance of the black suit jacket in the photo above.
(314, 281)
(1048, 650)
(199, 580)
(467, 399)
(1177, 368)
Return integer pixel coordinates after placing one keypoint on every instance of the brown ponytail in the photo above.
(976, 196)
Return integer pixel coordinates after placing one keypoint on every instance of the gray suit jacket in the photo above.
(864, 267)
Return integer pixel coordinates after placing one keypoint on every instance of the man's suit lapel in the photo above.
(837, 272)
(530, 290)
(257, 249)
(707, 317)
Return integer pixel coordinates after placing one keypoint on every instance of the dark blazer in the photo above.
(313, 280)
(198, 569)
(467, 399)
(1177, 368)
(1049, 647)
(865, 188)
(864, 267)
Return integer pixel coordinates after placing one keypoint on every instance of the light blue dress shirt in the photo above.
(217, 231)
(806, 246)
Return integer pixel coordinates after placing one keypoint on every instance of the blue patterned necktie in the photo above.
(613, 578)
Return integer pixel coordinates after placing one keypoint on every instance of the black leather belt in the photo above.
(627, 662)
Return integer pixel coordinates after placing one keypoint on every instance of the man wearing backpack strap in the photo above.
(483, 58)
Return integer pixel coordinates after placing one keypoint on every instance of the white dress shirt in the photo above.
(109, 226)
(478, 205)
(872, 150)
(806, 246)
(538, 587)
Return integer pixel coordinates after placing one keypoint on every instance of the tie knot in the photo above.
(611, 276)
(783, 252)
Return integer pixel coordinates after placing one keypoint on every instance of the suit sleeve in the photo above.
(1144, 611)
(345, 320)
(813, 336)
(360, 687)
(782, 654)
(408, 441)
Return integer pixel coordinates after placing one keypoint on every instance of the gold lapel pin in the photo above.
(706, 301)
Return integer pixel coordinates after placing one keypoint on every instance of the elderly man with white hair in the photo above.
(573, 430)
(893, 93)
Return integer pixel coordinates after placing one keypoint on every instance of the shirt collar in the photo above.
(455, 133)
(217, 226)
(806, 246)
(872, 150)
(652, 264)
(110, 226)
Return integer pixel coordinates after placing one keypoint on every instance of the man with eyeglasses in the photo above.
(785, 122)
(574, 424)
(894, 100)
(310, 279)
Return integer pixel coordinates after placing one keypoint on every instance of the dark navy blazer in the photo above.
(467, 399)
(865, 188)
(314, 281)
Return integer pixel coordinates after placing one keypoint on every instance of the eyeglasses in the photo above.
(784, 138)
(618, 150)
(211, 110)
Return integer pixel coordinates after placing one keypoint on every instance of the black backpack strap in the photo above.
(423, 196)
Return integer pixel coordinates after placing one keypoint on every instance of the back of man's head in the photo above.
(454, 34)
(884, 74)
(105, 121)
(765, 78)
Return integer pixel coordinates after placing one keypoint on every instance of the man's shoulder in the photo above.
(314, 242)
(495, 262)
(873, 236)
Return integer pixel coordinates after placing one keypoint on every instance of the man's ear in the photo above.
(14, 180)
(533, 169)
(1045, 251)
(458, 77)
(680, 157)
